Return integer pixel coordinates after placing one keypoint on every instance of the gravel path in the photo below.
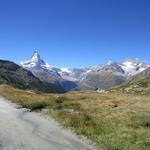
(23, 130)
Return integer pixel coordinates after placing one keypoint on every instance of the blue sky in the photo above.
(75, 33)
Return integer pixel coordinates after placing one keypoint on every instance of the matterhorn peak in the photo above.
(35, 62)
(109, 62)
(35, 57)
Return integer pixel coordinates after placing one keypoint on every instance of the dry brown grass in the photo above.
(114, 121)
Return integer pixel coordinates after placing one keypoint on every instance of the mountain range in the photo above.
(18, 77)
(101, 76)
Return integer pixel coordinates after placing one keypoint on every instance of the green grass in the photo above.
(114, 121)
(138, 87)
(144, 83)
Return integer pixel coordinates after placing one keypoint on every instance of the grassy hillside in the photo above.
(139, 84)
(114, 121)
(138, 87)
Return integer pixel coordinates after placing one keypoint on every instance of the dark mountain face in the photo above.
(45, 76)
(102, 80)
(14, 75)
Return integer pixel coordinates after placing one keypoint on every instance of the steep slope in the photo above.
(40, 67)
(133, 67)
(12, 74)
(141, 86)
(98, 77)
(46, 73)
(139, 83)
(102, 77)
(142, 75)
(110, 74)
(94, 81)
(74, 74)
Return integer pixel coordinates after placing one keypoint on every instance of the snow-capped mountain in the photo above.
(110, 74)
(126, 68)
(14, 75)
(133, 67)
(111, 67)
(36, 62)
(46, 72)
(74, 74)
(37, 65)
(100, 76)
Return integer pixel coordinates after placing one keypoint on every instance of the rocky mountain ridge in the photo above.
(96, 77)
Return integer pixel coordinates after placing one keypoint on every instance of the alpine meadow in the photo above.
(75, 75)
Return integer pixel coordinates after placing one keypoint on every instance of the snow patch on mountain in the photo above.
(133, 67)
(72, 74)
(36, 62)
(65, 70)
(124, 69)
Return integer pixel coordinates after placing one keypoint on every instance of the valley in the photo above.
(75, 75)
(108, 104)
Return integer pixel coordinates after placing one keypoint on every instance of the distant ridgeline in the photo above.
(102, 76)
(38, 75)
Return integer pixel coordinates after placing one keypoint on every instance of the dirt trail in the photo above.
(23, 130)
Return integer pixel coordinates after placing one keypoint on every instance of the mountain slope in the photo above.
(47, 73)
(133, 67)
(142, 75)
(103, 77)
(98, 77)
(110, 74)
(139, 83)
(74, 74)
(12, 74)
(141, 86)
(39, 66)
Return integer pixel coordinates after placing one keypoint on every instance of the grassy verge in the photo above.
(114, 121)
